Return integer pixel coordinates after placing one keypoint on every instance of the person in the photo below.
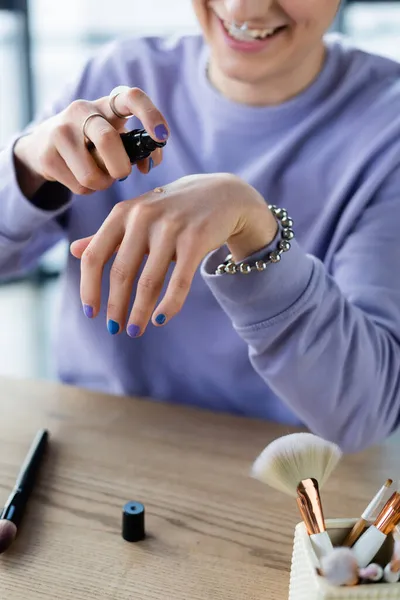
(263, 108)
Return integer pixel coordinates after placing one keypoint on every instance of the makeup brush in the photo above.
(391, 573)
(373, 572)
(368, 515)
(339, 567)
(297, 464)
(12, 514)
(372, 539)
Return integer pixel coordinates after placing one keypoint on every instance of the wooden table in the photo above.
(213, 532)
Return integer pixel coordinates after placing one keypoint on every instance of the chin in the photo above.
(245, 71)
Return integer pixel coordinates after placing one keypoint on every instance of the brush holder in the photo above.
(306, 584)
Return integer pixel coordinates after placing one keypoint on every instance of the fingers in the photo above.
(157, 157)
(188, 259)
(130, 235)
(96, 165)
(70, 144)
(108, 148)
(150, 285)
(152, 279)
(93, 258)
(60, 150)
(147, 164)
(78, 247)
(54, 163)
(131, 249)
(123, 272)
(133, 101)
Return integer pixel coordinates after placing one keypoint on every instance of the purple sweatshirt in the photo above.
(313, 340)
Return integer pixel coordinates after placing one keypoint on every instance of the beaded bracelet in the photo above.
(287, 234)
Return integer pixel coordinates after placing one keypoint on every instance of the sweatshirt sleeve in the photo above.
(29, 227)
(26, 231)
(328, 342)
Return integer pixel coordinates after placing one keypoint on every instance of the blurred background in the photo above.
(43, 43)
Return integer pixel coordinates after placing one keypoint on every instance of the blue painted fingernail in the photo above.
(112, 327)
(160, 319)
(161, 132)
(123, 179)
(151, 164)
(88, 310)
(133, 331)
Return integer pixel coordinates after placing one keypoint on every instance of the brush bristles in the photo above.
(372, 572)
(339, 567)
(295, 457)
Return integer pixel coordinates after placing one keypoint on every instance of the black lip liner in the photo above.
(13, 512)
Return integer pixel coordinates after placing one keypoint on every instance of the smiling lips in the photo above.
(250, 34)
(249, 40)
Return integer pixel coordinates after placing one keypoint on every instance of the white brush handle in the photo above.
(369, 512)
(321, 542)
(368, 545)
(389, 576)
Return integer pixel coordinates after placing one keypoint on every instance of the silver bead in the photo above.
(220, 270)
(274, 257)
(282, 214)
(287, 222)
(284, 245)
(261, 265)
(231, 268)
(245, 268)
(287, 234)
(273, 208)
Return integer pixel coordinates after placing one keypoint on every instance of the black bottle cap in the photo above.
(139, 145)
(133, 522)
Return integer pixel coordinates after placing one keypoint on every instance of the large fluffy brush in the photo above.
(292, 458)
(297, 464)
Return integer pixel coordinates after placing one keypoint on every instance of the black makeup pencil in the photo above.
(13, 512)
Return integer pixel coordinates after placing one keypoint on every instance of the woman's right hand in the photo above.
(56, 149)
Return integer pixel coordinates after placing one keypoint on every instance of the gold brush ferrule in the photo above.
(389, 516)
(304, 515)
(308, 491)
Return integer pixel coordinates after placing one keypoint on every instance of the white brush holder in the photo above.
(306, 584)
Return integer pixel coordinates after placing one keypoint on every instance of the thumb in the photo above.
(78, 247)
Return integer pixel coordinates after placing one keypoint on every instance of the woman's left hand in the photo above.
(183, 222)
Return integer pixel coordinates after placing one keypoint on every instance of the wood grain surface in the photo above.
(212, 531)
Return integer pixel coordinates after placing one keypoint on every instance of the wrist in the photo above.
(260, 259)
(28, 179)
(259, 231)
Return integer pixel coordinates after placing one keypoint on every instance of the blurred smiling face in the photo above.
(281, 37)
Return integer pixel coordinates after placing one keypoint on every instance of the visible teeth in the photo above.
(249, 33)
(261, 32)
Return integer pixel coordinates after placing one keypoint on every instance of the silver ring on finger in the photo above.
(113, 94)
(86, 121)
